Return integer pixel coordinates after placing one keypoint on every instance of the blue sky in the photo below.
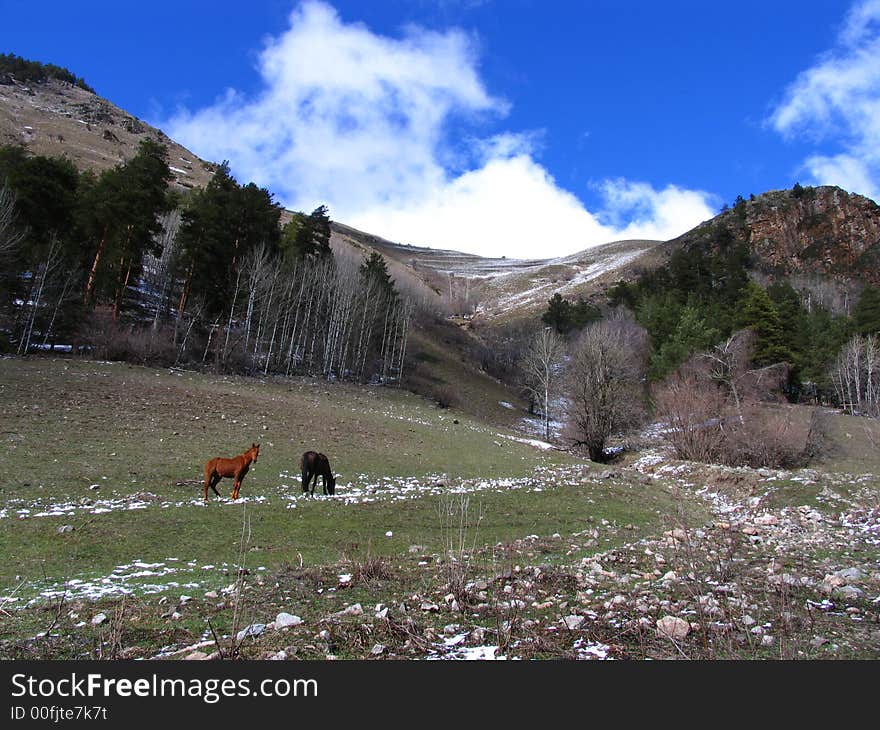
(523, 128)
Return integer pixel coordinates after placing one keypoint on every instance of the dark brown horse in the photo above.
(236, 468)
(314, 464)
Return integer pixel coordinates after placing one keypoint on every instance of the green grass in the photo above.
(144, 434)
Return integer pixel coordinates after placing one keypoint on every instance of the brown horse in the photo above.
(314, 464)
(236, 467)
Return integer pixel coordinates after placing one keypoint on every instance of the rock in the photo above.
(429, 606)
(196, 656)
(64, 529)
(673, 628)
(355, 609)
(671, 575)
(818, 641)
(849, 574)
(835, 581)
(211, 594)
(849, 592)
(284, 620)
(183, 600)
(748, 620)
(573, 623)
(377, 649)
(767, 520)
(383, 613)
(767, 640)
(252, 630)
(98, 619)
(278, 656)
(750, 530)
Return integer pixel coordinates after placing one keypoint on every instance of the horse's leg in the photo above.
(305, 480)
(209, 482)
(215, 480)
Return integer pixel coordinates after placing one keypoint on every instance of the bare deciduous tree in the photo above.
(605, 383)
(541, 368)
(856, 376)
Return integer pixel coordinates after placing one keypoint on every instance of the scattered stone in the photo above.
(383, 613)
(377, 649)
(670, 575)
(429, 606)
(285, 620)
(673, 628)
(98, 619)
(573, 623)
(355, 609)
(64, 529)
(849, 574)
(196, 656)
(211, 594)
(252, 630)
(850, 592)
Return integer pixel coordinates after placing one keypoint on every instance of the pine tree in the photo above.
(866, 314)
(757, 313)
(558, 314)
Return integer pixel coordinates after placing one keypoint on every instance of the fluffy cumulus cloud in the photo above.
(837, 102)
(371, 126)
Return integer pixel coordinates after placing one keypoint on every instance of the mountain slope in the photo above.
(55, 118)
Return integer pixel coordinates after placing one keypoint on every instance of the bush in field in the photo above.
(717, 409)
(691, 407)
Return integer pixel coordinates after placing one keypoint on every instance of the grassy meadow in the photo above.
(442, 517)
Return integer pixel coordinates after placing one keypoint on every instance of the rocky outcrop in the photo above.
(822, 230)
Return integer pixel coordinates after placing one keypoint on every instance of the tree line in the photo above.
(702, 341)
(38, 73)
(119, 265)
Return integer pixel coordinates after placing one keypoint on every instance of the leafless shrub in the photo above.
(691, 409)
(370, 569)
(446, 396)
(458, 530)
(716, 409)
(111, 340)
(767, 437)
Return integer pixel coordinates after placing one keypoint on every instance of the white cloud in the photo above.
(363, 123)
(837, 101)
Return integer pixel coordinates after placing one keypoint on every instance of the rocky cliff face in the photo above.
(822, 230)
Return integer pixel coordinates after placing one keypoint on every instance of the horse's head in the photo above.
(254, 451)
